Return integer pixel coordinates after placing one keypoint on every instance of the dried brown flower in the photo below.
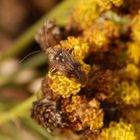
(83, 114)
(49, 35)
(48, 114)
(101, 83)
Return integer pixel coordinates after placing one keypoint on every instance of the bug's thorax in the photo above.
(54, 54)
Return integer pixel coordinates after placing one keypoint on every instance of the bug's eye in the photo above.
(60, 57)
(52, 57)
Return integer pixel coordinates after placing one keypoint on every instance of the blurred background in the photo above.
(22, 64)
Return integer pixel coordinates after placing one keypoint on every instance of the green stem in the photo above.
(59, 13)
(17, 111)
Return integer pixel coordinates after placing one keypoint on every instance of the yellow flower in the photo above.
(96, 39)
(86, 11)
(104, 4)
(107, 4)
(119, 131)
(62, 85)
(135, 27)
(85, 67)
(128, 93)
(132, 71)
(134, 52)
(84, 114)
(111, 29)
(100, 34)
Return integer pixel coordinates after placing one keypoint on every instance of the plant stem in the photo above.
(17, 111)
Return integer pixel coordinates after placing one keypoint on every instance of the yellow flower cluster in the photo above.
(109, 43)
(110, 28)
(137, 127)
(133, 116)
(63, 86)
(84, 114)
(135, 27)
(104, 4)
(107, 4)
(85, 14)
(134, 52)
(132, 71)
(85, 67)
(96, 119)
(96, 39)
(97, 36)
(119, 131)
(128, 94)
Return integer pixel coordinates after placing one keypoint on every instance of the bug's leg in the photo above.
(52, 70)
(70, 50)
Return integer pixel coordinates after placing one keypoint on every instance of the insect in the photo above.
(58, 58)
(64, 62)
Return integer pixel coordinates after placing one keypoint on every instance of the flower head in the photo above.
(133, 52)
(84, 14)
(83, 114)
(63, 86)
(132, 71)
(108, 4)
(127, 94)
(119, 131)
(135, 27)
(47, 113)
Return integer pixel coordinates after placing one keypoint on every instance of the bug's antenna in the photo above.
(24, 58)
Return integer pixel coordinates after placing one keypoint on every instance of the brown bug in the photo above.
(58, 58)
(64, 62)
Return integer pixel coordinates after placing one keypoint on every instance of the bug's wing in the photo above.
(70, 64)
(74, 69)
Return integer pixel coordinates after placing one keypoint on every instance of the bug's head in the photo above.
(55, 54)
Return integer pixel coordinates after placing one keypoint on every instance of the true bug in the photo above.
(59, 58)
(64, 62)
